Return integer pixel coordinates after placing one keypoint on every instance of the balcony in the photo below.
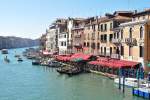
(131, 41)
(116, 41)
(77, 27)
(78, 45)
(92, 38)
(69, 45)
(141, 41)
(77, 36)
(103, 41)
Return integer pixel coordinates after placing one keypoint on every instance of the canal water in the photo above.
(22, 81)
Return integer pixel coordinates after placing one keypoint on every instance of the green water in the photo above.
(22, 81)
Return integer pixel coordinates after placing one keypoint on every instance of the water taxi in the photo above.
(4, 51)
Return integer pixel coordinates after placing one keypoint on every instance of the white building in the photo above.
(51, 38)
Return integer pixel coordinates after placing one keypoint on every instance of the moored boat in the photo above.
(17, 55)
(20, 59)
(131, 82)
(4, 51)
(36, 62)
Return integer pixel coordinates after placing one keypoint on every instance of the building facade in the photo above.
(78, 35)
(123, 35)
(134, 39)
(51, 37)
(99, 33)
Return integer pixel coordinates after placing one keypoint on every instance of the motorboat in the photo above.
(4, 51)
(20, 59)
(36, 62)
(17, 55)
(54, 64)
(131, 82)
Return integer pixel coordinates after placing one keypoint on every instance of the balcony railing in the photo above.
(77, 44)
(92, 38)
(77, 36)
(141, 41)
(103, 41)
(116, 41)
(77, 27)
(131, 41)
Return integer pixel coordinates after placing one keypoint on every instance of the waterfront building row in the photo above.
(121, 35)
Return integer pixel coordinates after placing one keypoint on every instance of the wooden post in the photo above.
(119, 78)
(123, 84)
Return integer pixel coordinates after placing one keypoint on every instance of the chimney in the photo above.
(135, 11)
(97, 19)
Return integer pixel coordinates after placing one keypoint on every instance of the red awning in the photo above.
(80, 55)
(113, 63)
(46, 53)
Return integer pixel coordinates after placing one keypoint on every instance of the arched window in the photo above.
(130, 33)
(88, 44)
(122, 34)
(98, 45)
(141, 32)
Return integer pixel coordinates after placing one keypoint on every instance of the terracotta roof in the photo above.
(147, 11)
(121, 18)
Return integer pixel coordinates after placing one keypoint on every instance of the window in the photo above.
(117, 35)
(110, 50)
(93, 27)
(141, 51)
(105, 37)
(141, 32)
(114, 35)
(122, 50)
(130, 50)
(93, 36)
(88, 44)
(105, 27)
(122, 34)
(64, 43)
(105, 50)
(101, 37)
(84, 44)
(61, 43)
(98, 36)
(130, 33)
(110, 37)
(65, 36)
(98, 45)
(111, 26)
(101, 27)
(101, 49)
(98, 27)
(93, 45)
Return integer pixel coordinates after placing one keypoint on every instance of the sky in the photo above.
(30, 18)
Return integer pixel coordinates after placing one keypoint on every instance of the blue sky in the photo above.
(30, 18)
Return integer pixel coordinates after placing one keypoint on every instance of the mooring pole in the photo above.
(119, 78)
(123, 84)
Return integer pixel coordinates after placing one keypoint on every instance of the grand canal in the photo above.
(22, 81)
